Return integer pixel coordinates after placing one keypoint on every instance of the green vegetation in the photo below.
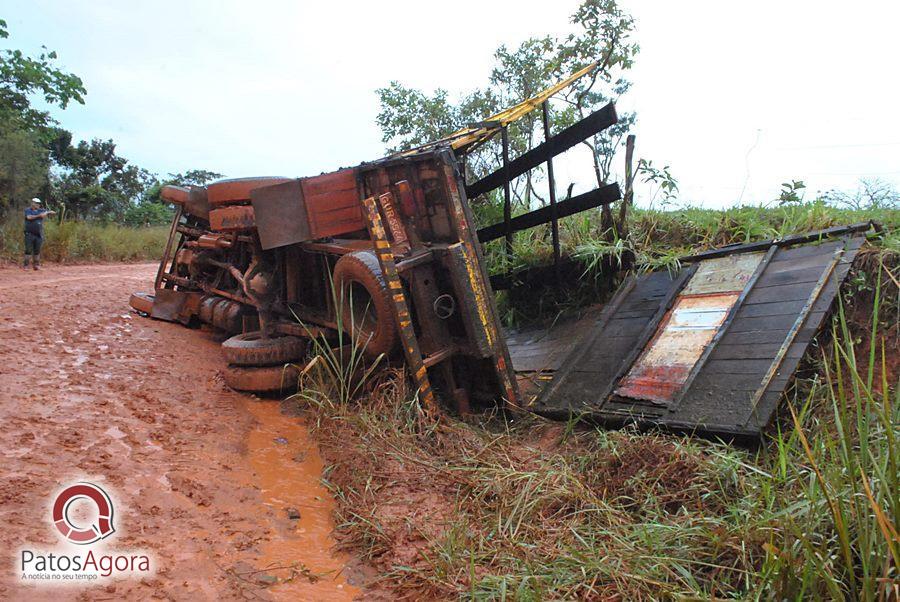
(600, 31)
(518, 508)
(87, 181)
(657, 238)
(72, 241)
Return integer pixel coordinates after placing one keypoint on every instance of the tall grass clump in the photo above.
(75, 241)
(838, 538)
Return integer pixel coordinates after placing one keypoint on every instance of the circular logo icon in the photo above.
(83, 534)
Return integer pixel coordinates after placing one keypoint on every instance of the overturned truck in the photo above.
(388, 251)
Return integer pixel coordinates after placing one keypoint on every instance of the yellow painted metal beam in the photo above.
(468, 136)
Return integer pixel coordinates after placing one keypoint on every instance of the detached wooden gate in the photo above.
(710, 348)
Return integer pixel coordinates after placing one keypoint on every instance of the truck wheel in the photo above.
(141, 302)
(237, 190)
(366, 308)
(265, 379)
(252, 349)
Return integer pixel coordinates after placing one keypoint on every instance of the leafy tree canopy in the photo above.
(601, 32)
(22, 76)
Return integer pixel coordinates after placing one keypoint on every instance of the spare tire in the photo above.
(252, 349)
(266, 379)
(179, 195)
(237, 190)
(366, 309)
(141, 302)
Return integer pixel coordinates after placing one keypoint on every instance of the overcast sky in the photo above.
(736, 97)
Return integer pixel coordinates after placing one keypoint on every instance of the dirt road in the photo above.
(201, 477)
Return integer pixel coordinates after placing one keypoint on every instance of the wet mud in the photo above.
(222, 490)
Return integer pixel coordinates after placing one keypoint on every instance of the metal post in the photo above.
(168, 249)
(507, 200)
(554, 218)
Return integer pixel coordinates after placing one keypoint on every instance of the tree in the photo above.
(96, 183)
(872, 193)
(22, 76)
(410, 117)
(23, 167)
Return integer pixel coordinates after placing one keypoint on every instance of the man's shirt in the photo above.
(34, 226)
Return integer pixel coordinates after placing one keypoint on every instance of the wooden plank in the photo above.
(780, 293)
(625, 327)
(588, 200)
(778, 323)
(799, 276)
(825, 249)
(402, 317)
(566, 139)
(749, 351)
(787, 241)
(774, 308)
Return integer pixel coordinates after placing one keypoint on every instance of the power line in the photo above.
(837, 146)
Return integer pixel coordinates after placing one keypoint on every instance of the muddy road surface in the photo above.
(207, 482)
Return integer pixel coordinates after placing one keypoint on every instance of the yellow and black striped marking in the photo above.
(401, 307)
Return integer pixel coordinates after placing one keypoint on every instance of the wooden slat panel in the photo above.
(332, 204)
(599, 354)
(775, 308)
(719, 400)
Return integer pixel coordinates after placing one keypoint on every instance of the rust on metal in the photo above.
(403, 317)
(688, 328)
(237, 190)
(235, 218)
(175, 194)
(395, 226)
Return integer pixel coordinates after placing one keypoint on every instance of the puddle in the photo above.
(287, 470)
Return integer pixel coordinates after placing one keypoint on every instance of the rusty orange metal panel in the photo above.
(688, 328)
(684, 333)
(232, 219)
(332, 202)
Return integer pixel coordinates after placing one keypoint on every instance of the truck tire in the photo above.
(366, 311)
(141, 302)
(237, 190)
(252, 349)
(267, 379)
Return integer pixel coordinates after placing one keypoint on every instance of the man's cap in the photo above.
(36, 200)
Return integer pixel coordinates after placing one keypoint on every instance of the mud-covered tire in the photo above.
(251, 349)
(265, 379)
(179, 195)
(360, 287)
(237, 190)
(141, 302)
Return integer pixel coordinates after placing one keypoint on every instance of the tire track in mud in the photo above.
(89, 390)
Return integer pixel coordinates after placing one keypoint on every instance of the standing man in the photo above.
(34, 231)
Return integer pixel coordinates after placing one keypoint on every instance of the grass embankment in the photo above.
(76, 242)
(526, 509)
(657, 239)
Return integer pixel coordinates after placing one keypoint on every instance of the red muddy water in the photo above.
(202, 478)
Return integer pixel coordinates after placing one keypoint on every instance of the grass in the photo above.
(76, 242)
(529, 510)
(487, 508)
(657, 239)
